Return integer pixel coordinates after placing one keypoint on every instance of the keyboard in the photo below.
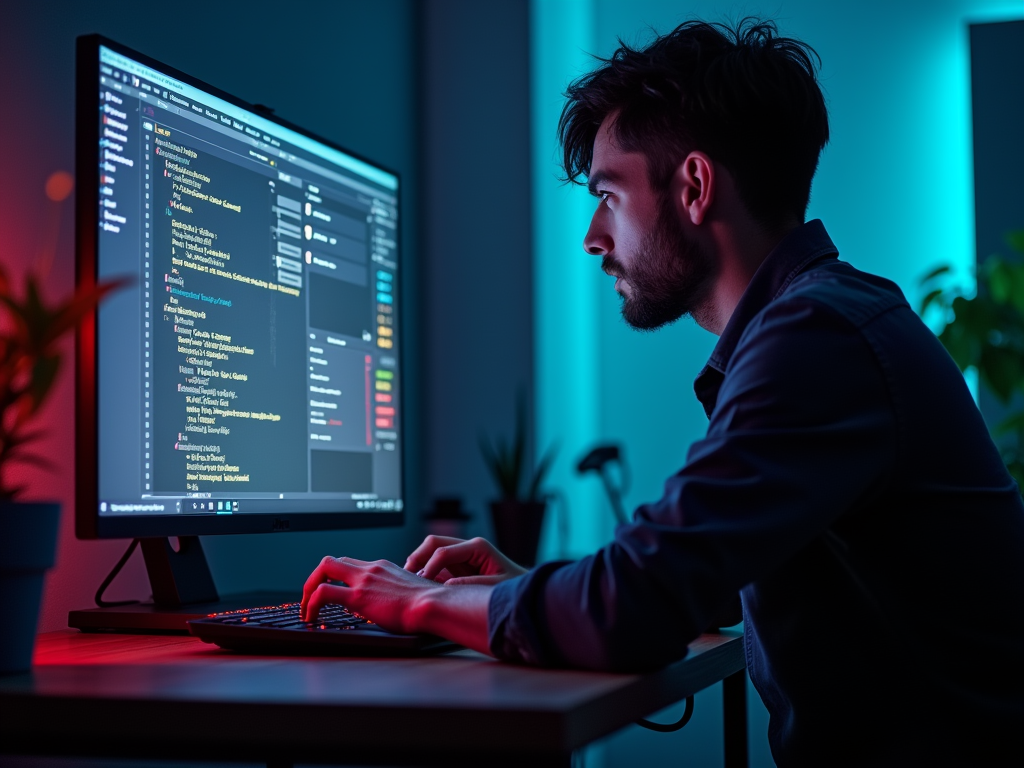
(278, 629)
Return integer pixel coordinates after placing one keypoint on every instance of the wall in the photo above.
(894, 189)
(475, 193)
(347, 71)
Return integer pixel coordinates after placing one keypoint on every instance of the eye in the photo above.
(603, 195)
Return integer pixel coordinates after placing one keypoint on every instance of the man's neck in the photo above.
(740, 250)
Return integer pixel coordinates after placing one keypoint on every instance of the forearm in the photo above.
(456, 613)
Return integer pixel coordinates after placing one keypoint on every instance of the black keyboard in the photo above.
(279, 629)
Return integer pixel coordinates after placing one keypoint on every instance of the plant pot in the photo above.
(28, 543)
(517, 527)
(447, 518)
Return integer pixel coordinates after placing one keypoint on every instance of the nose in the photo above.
(597, 242)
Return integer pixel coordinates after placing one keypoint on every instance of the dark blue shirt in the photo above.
(848, 489)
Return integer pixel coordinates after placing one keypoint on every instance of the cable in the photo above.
(111, 576)
(670, 727)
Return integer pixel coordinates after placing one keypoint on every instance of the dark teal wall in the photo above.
(475, 202)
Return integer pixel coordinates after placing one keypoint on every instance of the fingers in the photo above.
(321, 596)
(444, 576)
(330, 569)
(424, 551)
(493, 578)
(449, 556)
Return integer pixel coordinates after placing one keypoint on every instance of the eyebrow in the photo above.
(599, 178)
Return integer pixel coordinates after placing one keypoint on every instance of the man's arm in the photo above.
(457, 613)
(803, 432)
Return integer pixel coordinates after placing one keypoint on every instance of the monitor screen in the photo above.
(249, 377)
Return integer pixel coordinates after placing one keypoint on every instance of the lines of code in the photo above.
(225, 411)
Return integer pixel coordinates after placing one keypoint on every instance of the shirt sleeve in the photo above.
(803, 432)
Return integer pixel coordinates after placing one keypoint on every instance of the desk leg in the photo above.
(734, 706)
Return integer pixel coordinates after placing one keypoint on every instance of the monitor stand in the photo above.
(183, 589)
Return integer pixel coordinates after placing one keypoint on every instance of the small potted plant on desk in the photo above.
(30, 358)
(519, 513)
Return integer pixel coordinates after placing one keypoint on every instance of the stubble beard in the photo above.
(670, 275)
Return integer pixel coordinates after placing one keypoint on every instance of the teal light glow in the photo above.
(565, 278)
(894, 188)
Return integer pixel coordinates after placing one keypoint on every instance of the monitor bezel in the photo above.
(89, 524)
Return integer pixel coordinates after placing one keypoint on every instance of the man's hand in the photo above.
(399, 601)
(380, 591)
(457, 562)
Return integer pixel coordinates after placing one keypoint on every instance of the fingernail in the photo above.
(421, 571)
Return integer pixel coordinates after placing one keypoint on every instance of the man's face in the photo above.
(661, 274)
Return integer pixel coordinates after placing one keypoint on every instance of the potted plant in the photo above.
(986, 332)
(30, 359)
(519, 512)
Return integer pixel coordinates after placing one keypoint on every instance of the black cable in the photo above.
(670, 727)
(111, 576)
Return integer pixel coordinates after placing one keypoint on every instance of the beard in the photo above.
(670, 275)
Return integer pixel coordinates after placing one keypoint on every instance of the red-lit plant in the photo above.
(30, 353)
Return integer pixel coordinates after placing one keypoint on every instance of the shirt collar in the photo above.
(797, 250)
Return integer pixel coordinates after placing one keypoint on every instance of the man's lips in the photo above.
(609, 267)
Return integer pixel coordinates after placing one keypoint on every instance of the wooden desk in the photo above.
(175, 697)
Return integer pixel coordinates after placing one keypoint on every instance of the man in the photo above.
(847, 487)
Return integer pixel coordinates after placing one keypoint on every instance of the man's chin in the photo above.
(641, 317)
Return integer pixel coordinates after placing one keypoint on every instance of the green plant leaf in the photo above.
(1016, 280)
(1016, 240)
(961, 345)
(30, 457)
(1011, 424)
(487, 453)
(942, 270)
(509, 470)
(929, 299)
(1002, 370)
(44, 372)
(37, 317)
(520, 444)
(988, 332)
(507, 461)
(24, 437)
(543, 466)
(1000, 281)
(85, 300)
(11, 491)
(495, 461)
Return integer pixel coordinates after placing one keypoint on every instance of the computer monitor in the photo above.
(249, 378)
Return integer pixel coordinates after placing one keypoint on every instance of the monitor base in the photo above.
(149, 618)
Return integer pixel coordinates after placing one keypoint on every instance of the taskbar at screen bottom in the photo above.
(188, 506)
(298, 518)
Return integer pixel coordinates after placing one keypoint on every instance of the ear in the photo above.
(694, 186)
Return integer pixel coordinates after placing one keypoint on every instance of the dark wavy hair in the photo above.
(743, 95)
